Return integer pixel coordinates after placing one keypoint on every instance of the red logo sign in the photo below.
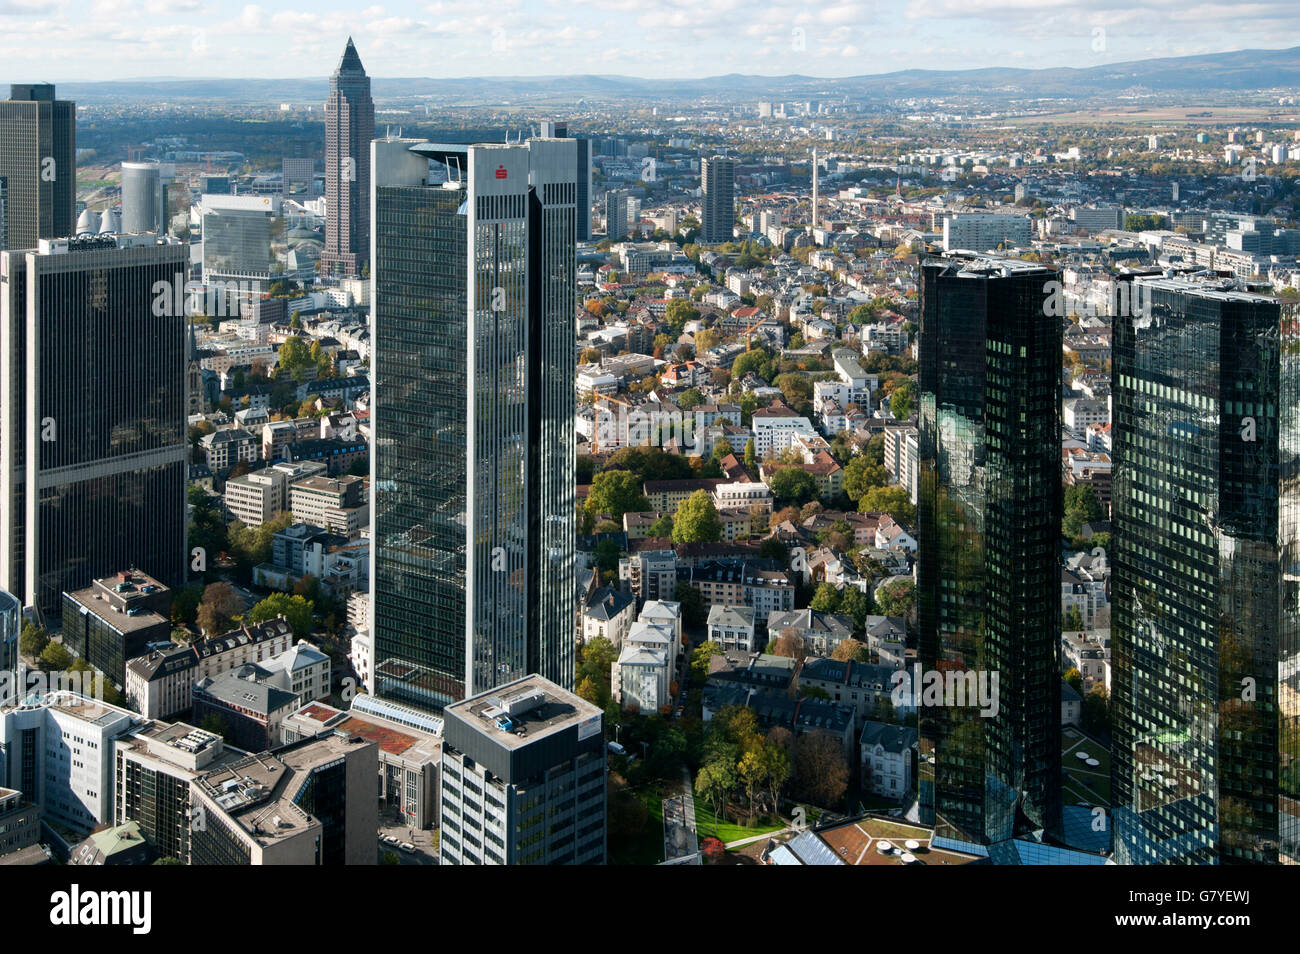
(501, 172)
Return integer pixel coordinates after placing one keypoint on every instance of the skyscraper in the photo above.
(92, 409)
(989, 525)
(349, 128)
(38, 158)
(1206, 599)
(554, 130)
(473, 280)
(616, 214)
(718, 185)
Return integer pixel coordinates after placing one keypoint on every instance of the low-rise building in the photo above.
(888, 756)
(732, 627)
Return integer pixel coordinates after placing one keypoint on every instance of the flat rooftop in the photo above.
(555, 711)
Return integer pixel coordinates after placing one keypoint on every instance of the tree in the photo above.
(595, 660)
(590, 690)
(1074, 678)
(751, 461)
(851, 650)
(788, 644)
(755, 360)
(1081, 506)
(826, 599)
(891, 500)
(694, 614)
(296, 610)
(821, 769)
(753, 773)
(896, 598)
(663, 527)
(589, 356)
(721, 449)
(55, 657)
(793, 485)
(680, 313)
(615, 492)
(33, 639)
(715, 781)
(1073, 618)
(776, 762)
(712, 849)
(903, 400)
(700, 657)
(690, 398)
(218, 608)
(862, 475)
(1096, 711)
(697, 520)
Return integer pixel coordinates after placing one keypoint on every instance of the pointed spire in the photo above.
(350, 62)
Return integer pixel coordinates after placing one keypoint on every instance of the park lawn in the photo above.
(729, 831)
(647, 846)
(1084, 783)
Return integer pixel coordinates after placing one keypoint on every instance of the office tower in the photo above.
(814, 189)
(38, 157)
(523, 778)
(312, 802)
(4, 213)
(554, 130)
(1206, 603)
(144, 198)
(237, 238)
(616, 214)
(349, 128)
(989, 512)
(473, 493)
(92, 407)
(718, 185)
(11, 625)
(298, 175)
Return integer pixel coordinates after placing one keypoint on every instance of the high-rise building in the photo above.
(11, 621)
(4, 213)
(144, 198)
(523, 778)
(616, 202)
(474, 278)
(554, 130)
(38, 158)
(1206, 601)
(985, 231)
(989, 524)
(718, 186)
(92, 408)
(237, 233)
(349, 128)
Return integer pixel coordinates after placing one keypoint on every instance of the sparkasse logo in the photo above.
(76, 907)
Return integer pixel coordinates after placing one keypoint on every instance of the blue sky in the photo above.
(57, 40)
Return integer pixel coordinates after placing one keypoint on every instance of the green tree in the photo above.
(54, 657)
(896, 598)
(855, 604)
(297, 611)
(33, 639)
(751, 460)
(753, 773)
(700, 657)
(902, 402)
(715, 782)
(615, 492)
(690, 398)
(663, 527)
(694, 614)
(793, 485)
(861, 476)
(851, 650)
(697, 520)
(1081, 506)
(891, 500)
(1074, 678)
(680, 313)
(826, 598)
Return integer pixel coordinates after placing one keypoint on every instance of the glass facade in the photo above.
(474, 287)
(104, 376)
(989, 516)
(349, 128)
(1205, 591)
(38, 147)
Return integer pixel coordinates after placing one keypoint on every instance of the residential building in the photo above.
(732, 627)
(248, 703)
(649, 574)
(608, 614)
(523, 778)
(20, 822)
(865, 687)
(718, 199)
(225, 448)
(820, 632)
(888, 760)
(985, 231)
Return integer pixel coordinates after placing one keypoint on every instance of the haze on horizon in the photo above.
(92, 40)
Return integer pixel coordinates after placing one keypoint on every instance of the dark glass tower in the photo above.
(38, 158)
(473, 292)
(92, 409)
(989, 522)
(1206, 592)
(718, 198)
(554, 130)
(349, 128)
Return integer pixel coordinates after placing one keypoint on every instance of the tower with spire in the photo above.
(349, 128)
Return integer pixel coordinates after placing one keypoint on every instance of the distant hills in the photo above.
(1213, 73)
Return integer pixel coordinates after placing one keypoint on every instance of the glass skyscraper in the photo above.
(92, 409)
(474, 272)
(718, 199)
(989, 524)
(38, 153)
(1206, 575)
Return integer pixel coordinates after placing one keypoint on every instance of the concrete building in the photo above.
(336, 503)
(116, 619)
(523, 778)
(888, 760)
(313, 802)
(732, 627)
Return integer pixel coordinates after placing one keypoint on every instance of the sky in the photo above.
(86, 40)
